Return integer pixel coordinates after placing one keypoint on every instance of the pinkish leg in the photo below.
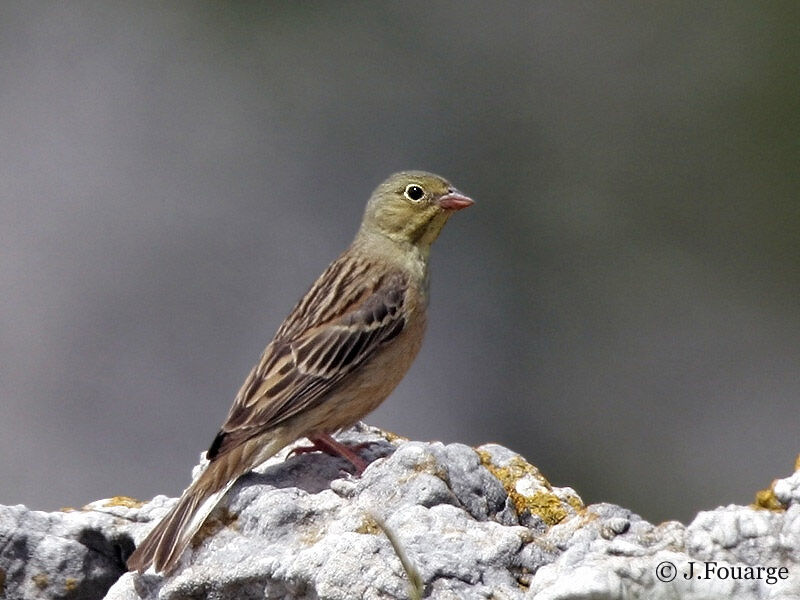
(325, 443)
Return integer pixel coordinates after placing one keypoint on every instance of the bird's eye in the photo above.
(414, 193)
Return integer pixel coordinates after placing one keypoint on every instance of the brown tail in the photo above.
(164, 545)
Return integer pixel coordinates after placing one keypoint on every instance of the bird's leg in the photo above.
(324, 442)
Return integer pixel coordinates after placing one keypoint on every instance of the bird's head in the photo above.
(412, 207)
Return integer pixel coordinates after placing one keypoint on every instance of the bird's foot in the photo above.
(327, 444)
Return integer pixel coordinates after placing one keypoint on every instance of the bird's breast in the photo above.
(377, 378)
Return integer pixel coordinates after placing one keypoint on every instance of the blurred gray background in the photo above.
(621, 306)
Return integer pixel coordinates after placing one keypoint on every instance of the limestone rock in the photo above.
(463, 522)
(66, 554)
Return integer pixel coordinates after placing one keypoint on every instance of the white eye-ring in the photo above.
(414, 192)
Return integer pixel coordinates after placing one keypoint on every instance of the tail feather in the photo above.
(163, 546)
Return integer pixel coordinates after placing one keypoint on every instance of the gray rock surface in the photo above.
(471, 523)
(66, 554)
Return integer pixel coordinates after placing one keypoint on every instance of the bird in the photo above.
(343, 348)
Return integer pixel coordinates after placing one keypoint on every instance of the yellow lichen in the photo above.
(310, 535)
(543, 502)
(368, 526)
(217, 520)
(71, 584)
(516, 468)
(391, 436)
(766, 499)
(41, 581)
(575, 502)
(548, 506)
(429, 465)
(524, 579)
(125, 501)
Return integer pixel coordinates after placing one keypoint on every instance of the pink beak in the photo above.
(455, 201)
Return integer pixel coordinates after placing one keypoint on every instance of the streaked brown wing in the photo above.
(294, 375)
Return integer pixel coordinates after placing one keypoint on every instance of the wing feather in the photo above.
(301, 366)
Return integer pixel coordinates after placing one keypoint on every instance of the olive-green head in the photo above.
(412, 207)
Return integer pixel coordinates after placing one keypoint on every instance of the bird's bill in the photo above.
(455, 201)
